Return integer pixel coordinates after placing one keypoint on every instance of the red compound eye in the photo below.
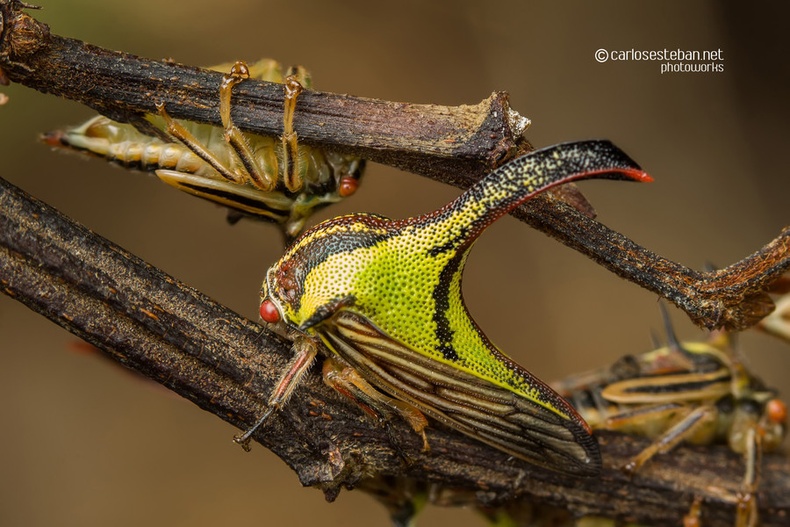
(777, 411)
(348, 185)
(269, 312)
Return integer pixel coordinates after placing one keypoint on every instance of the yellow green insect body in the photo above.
(384, 297)
(265, 177)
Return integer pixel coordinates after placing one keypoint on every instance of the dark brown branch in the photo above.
(733, 297)
(226, 364)
(440, 140)
(455, 145)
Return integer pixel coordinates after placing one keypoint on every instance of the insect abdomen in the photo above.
(124, 145)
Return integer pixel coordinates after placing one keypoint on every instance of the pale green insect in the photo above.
(270, 178)
(384, 298)
(697, 392)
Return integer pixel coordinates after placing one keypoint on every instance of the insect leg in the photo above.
(347, 381)
(746, 514)
(177, 130)
(291, 168)
(234, 136)
(635, 419)
(305, 351)
(679, 431)
(692, 517)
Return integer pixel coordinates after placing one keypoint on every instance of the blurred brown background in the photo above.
(85, 444)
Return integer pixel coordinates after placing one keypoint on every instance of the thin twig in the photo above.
(455, 145)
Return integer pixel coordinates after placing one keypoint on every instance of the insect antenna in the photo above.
(669, 329)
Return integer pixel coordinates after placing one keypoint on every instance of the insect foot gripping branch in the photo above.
(384, 297)
(263, 177)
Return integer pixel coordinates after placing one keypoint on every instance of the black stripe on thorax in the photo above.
(316, 248)
(313, 248)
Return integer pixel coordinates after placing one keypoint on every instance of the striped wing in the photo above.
(462, 401)
(678, 388)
